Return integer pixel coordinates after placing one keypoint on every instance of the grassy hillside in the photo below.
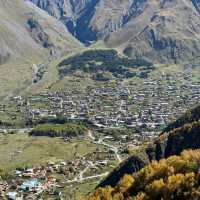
(19, 47)
(174, 178)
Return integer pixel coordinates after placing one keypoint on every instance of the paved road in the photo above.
(87, 178)
(102, 142)
(90, 135)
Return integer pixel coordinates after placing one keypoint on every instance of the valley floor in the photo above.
(122, 115)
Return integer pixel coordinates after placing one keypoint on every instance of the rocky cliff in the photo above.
(178, 136)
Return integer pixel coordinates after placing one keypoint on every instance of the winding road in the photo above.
(102, 142)
(87, 178)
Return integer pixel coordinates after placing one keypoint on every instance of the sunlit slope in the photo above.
(21, 47)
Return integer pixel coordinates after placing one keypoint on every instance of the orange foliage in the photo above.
(177, 177)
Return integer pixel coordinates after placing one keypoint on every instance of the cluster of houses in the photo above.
(150, 104)
(32, 183)
(145, 106)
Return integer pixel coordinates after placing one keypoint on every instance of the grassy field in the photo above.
(22, 150)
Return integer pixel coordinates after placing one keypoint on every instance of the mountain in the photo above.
(178, 136)
(183, 134)
(171, 173)
(28, 36)
(35, 32)
(130, 166)
(174, 178)
(88, 20)
(164, 31)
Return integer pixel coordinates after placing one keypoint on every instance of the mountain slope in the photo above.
(164, 31)
(174, 178)
(179, 136)
(88, 20)
(168, 34)
(25, 32)
(131, 165)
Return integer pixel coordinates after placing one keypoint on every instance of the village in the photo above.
(120, 117)
(51, 179)
(148, 105)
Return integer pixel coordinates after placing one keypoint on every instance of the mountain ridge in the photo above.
(21, 46)
(135, 27)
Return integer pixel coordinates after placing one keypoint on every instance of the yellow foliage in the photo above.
(156, 188)
(102, 194)
(141, 196)
(125, 183)
(191, 155)
(177, 177)
(175, 182)
(118, 196)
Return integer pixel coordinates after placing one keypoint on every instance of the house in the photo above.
(13, 196)
(30, 184)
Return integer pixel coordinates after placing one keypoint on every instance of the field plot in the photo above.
(18, 150)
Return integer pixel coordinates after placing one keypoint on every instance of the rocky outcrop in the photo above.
(55, 8)
(76, 15)
(170, 34)
(131, 165)
(90, 20)
(196, 4)
(38, 34)
(178, 136)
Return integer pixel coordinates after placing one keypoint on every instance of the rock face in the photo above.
(170, 32)
(178, 136)
(161, 30)
(90, 20)
(75, 14)
(131, 165)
